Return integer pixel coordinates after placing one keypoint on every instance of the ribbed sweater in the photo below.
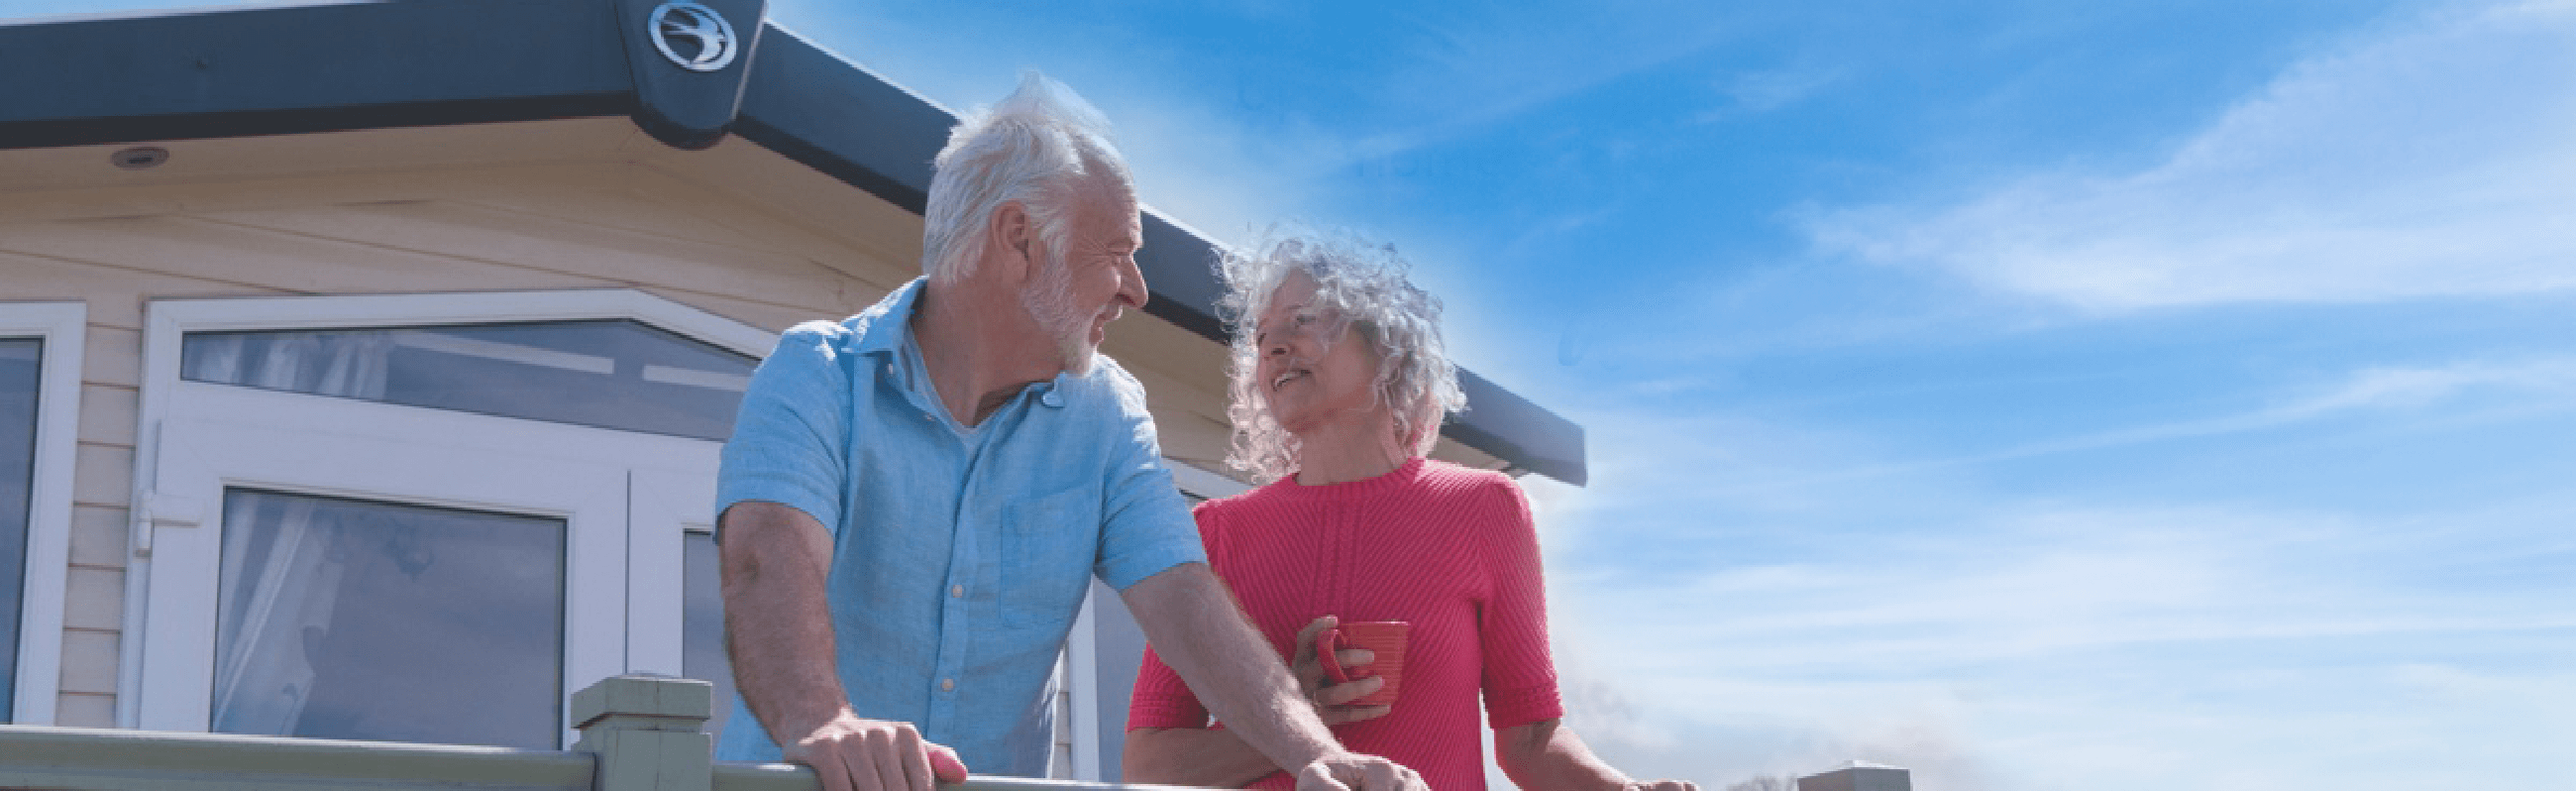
(1450, 549)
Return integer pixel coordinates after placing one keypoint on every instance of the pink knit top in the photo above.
(1448, 548)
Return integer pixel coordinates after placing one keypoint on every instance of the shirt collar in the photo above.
(886, 331)
(885, 327)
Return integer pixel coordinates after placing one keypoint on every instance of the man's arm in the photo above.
(1197, 629)
(1546, 754)
(778, 628)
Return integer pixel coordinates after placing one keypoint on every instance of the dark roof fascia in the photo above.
(210, 73)
(229, 72)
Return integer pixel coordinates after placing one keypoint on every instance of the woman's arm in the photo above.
(1202, 757)
(1520, 676)
(1218, 758)
(1546, 754)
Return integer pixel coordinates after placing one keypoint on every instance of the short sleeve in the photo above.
(1520, 678)
(790, 439)
(1146, 523)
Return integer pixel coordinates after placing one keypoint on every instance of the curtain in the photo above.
(283, 555)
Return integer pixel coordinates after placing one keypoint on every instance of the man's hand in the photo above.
(1331, 701)
(1350, 772)
(852, 754)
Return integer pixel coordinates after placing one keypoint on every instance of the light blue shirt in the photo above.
(960, 556)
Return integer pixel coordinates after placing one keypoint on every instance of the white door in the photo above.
(424, 531)
(344, 569)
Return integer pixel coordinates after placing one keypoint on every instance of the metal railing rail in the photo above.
(638, 733)
(85, 758)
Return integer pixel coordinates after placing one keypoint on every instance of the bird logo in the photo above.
(698, 29)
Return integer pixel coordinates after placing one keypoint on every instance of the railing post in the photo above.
(648, 731)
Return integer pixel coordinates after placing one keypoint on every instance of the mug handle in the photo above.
(1327, 646)
(1327, 651)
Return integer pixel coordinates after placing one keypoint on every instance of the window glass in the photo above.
(19, 363)
(702, 649)
(349, 619)
(618, 374)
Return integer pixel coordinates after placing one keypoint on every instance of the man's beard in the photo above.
(1050, 303)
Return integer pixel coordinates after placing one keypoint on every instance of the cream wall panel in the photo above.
(1179, 357)
(808, 199)
(102, 475)
(623, 207)
(89, 661)
(85, 710)
(167, 198)
(1165, 393)
(1195, 439)
(250, 256)
(881, 262)
(107, 414)
(114, 293)
(1189, 420)
(113, 356)
(98, 536)
(537, 243)
(95, 600)
(1454, 452)
(601, 139)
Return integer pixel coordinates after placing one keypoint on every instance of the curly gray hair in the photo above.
(1365, 282)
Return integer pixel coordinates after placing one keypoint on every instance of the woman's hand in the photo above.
(1332, 702)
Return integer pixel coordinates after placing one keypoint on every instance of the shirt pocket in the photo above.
(1048, 544)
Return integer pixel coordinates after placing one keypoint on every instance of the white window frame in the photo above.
(62, 327)
(650, 564)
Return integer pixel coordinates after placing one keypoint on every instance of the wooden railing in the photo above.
(638, 733)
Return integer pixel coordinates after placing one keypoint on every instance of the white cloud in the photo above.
(2026, 650)
(1758, 92)
(2437, 157)
(2031, 642)
(2547, 382)
(2376, 388)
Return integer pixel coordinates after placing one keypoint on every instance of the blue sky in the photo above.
(2112, 395)
(2038, 395)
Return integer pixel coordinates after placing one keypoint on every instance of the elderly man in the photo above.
(915, 499)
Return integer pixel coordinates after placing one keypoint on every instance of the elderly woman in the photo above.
(1339, 386)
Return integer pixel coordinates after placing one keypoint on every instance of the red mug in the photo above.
(1385, 638)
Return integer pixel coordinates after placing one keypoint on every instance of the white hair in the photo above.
(1035, 147)
(1366, 283)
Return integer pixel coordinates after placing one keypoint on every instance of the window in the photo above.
(618, 374)
(424, 518)
(20, 361)
(363, 620)
(40, 352)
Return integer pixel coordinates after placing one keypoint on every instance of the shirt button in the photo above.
(948, 685)
(956, 591)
